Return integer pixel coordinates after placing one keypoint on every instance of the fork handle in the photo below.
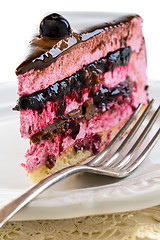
(14, 206)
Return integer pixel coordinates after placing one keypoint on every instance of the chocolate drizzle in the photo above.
(72, 86)
(44, 51)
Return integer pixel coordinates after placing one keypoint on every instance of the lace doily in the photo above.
(138, 225)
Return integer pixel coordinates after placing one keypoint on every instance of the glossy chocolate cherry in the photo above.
(54, 26)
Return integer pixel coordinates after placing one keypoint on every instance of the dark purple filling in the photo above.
(90, 142)
(105, 95)
(72, 86)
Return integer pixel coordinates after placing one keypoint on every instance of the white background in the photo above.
(18, 20)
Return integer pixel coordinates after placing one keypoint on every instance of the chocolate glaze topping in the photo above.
(72, 86)
(45, 50)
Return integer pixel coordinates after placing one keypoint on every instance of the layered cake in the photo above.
(83, 77)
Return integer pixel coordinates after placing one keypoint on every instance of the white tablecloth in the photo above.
(137, 225)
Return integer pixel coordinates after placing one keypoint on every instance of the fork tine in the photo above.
(104, 152)
(131, 167)
(113, 159)
(139, 141)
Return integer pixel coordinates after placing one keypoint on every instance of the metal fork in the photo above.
(113, 167)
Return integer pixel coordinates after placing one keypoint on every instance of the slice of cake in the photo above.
(78, 85)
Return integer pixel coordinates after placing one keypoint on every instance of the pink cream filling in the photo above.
(37, 154)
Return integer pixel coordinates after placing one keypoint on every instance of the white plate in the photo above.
(79, 195)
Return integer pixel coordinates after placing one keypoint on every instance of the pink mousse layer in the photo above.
(37, 154)
(83, 54)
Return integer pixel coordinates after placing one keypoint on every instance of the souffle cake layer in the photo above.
(78, 87)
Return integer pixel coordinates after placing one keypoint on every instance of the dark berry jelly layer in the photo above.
(105, 95)
(72, 86)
